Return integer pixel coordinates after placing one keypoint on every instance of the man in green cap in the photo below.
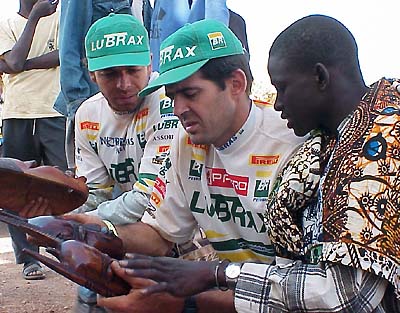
(120, 138)
(222, 163)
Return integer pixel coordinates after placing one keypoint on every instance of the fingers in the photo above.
(156, 288)
(78, 217)
(135, 282)
(141, 266)
(119, 304)
(37, 207)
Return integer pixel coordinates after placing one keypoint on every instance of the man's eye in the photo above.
(107, 74)
(190, 95)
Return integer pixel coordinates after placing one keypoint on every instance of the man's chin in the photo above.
(195, 139)
(126, 106)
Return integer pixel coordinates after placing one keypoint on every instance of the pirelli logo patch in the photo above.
(162, 149)
(90, 125)
(190, 143)
(263, 160)
(142, 114)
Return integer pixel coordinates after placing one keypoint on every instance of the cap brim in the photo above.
(124, 59)
(172, 76)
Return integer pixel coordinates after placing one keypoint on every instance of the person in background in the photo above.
(76, 86)
(32, 129)
(333, 214)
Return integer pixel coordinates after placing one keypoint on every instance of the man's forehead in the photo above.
(189, 82)
(121, 68)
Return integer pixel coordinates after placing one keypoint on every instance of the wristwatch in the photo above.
(232, 272)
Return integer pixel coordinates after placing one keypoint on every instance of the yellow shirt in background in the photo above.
(30, 94)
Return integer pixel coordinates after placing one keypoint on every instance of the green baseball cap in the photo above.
(117, 40)
(184, 52)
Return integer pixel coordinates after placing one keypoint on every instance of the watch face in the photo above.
(232, 271)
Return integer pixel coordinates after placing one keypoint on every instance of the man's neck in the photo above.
(346, 102)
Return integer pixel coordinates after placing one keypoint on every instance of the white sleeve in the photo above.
(90, 166)
(168, 206)
(130, 206)
(88, 163)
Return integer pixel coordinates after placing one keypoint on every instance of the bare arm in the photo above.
(4, 68)
(47, 60)
(16, 58)
(142, 238)
(137, 237)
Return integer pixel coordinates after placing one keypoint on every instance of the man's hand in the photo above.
(136, 301)
(84, 218)
(178, 277)
(37, 207)
(44, 8)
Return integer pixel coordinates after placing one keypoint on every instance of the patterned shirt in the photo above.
(336, 269)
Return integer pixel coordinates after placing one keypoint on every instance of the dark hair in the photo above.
(318, 38)
(219, 69)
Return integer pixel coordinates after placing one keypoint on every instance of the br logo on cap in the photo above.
(217, 40)
(115, 40)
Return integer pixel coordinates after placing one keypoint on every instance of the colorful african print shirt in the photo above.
(334, 212)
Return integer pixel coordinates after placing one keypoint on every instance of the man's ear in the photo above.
(322, 76)
(239, 81)
(92, 77)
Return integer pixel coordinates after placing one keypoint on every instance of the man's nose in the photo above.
(179, 107)
(124, 81)
(278, 106)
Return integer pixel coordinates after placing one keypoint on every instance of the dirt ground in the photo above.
(53, 294)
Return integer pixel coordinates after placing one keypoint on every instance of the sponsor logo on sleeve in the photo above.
(162, 149)
(166, 106)
(166, 124)
(160, 186)
(164, 137)
(142, 140)
(141, 114)
(155, 199)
